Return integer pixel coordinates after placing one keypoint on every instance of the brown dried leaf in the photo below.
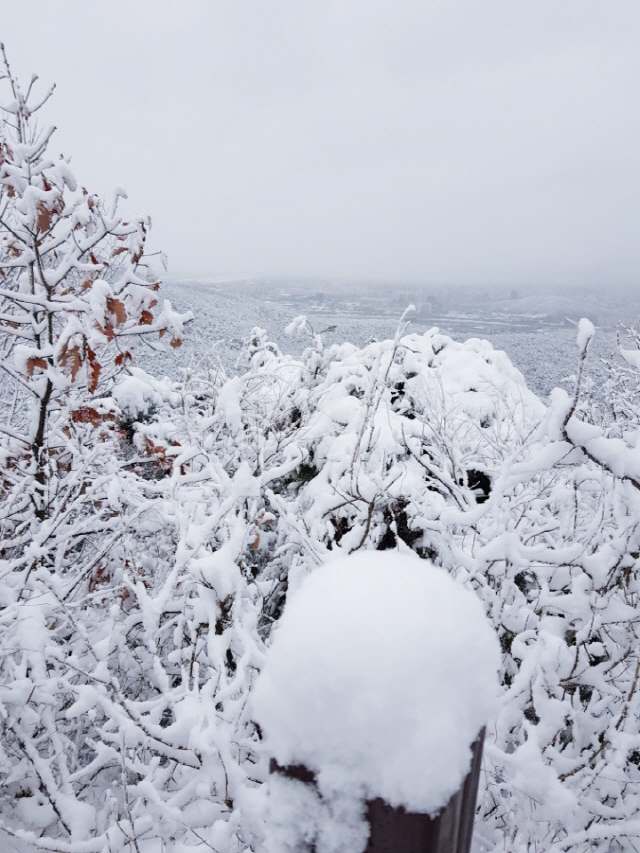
(36, 361)
(176, 342)
(99, 576)
(155, 450)
(86, 415)
(106, 330)
(89, 415)
(116, 307)
(44, 217)
(146, 318)
(71, 360)
(94, 370)
(122, 358)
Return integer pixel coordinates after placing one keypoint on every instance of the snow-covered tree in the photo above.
(75, 293)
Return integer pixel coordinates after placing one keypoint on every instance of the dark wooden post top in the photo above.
(380, 678)
(394, 830)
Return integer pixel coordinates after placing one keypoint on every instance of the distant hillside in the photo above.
(224, 320)
(547, 305)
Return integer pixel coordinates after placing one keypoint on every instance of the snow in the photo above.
(136, 393)
(586, 332)
(381, 674)
(632, 357)
(15, 845)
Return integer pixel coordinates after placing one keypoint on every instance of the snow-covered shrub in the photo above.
(555, 558)
(268, 479)
(393, 434)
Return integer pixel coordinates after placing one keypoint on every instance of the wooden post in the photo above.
(394, 830)
(380, 679)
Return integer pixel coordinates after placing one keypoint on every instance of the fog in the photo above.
(417, 140)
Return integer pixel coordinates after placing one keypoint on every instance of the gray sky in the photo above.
(468, 141)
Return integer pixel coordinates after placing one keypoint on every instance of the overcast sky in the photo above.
(467, 141)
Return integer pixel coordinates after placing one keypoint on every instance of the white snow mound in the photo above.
(381, 673)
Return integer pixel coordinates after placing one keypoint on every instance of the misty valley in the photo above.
(536, 331)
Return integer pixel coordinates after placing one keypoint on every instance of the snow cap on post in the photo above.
(381, 674)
